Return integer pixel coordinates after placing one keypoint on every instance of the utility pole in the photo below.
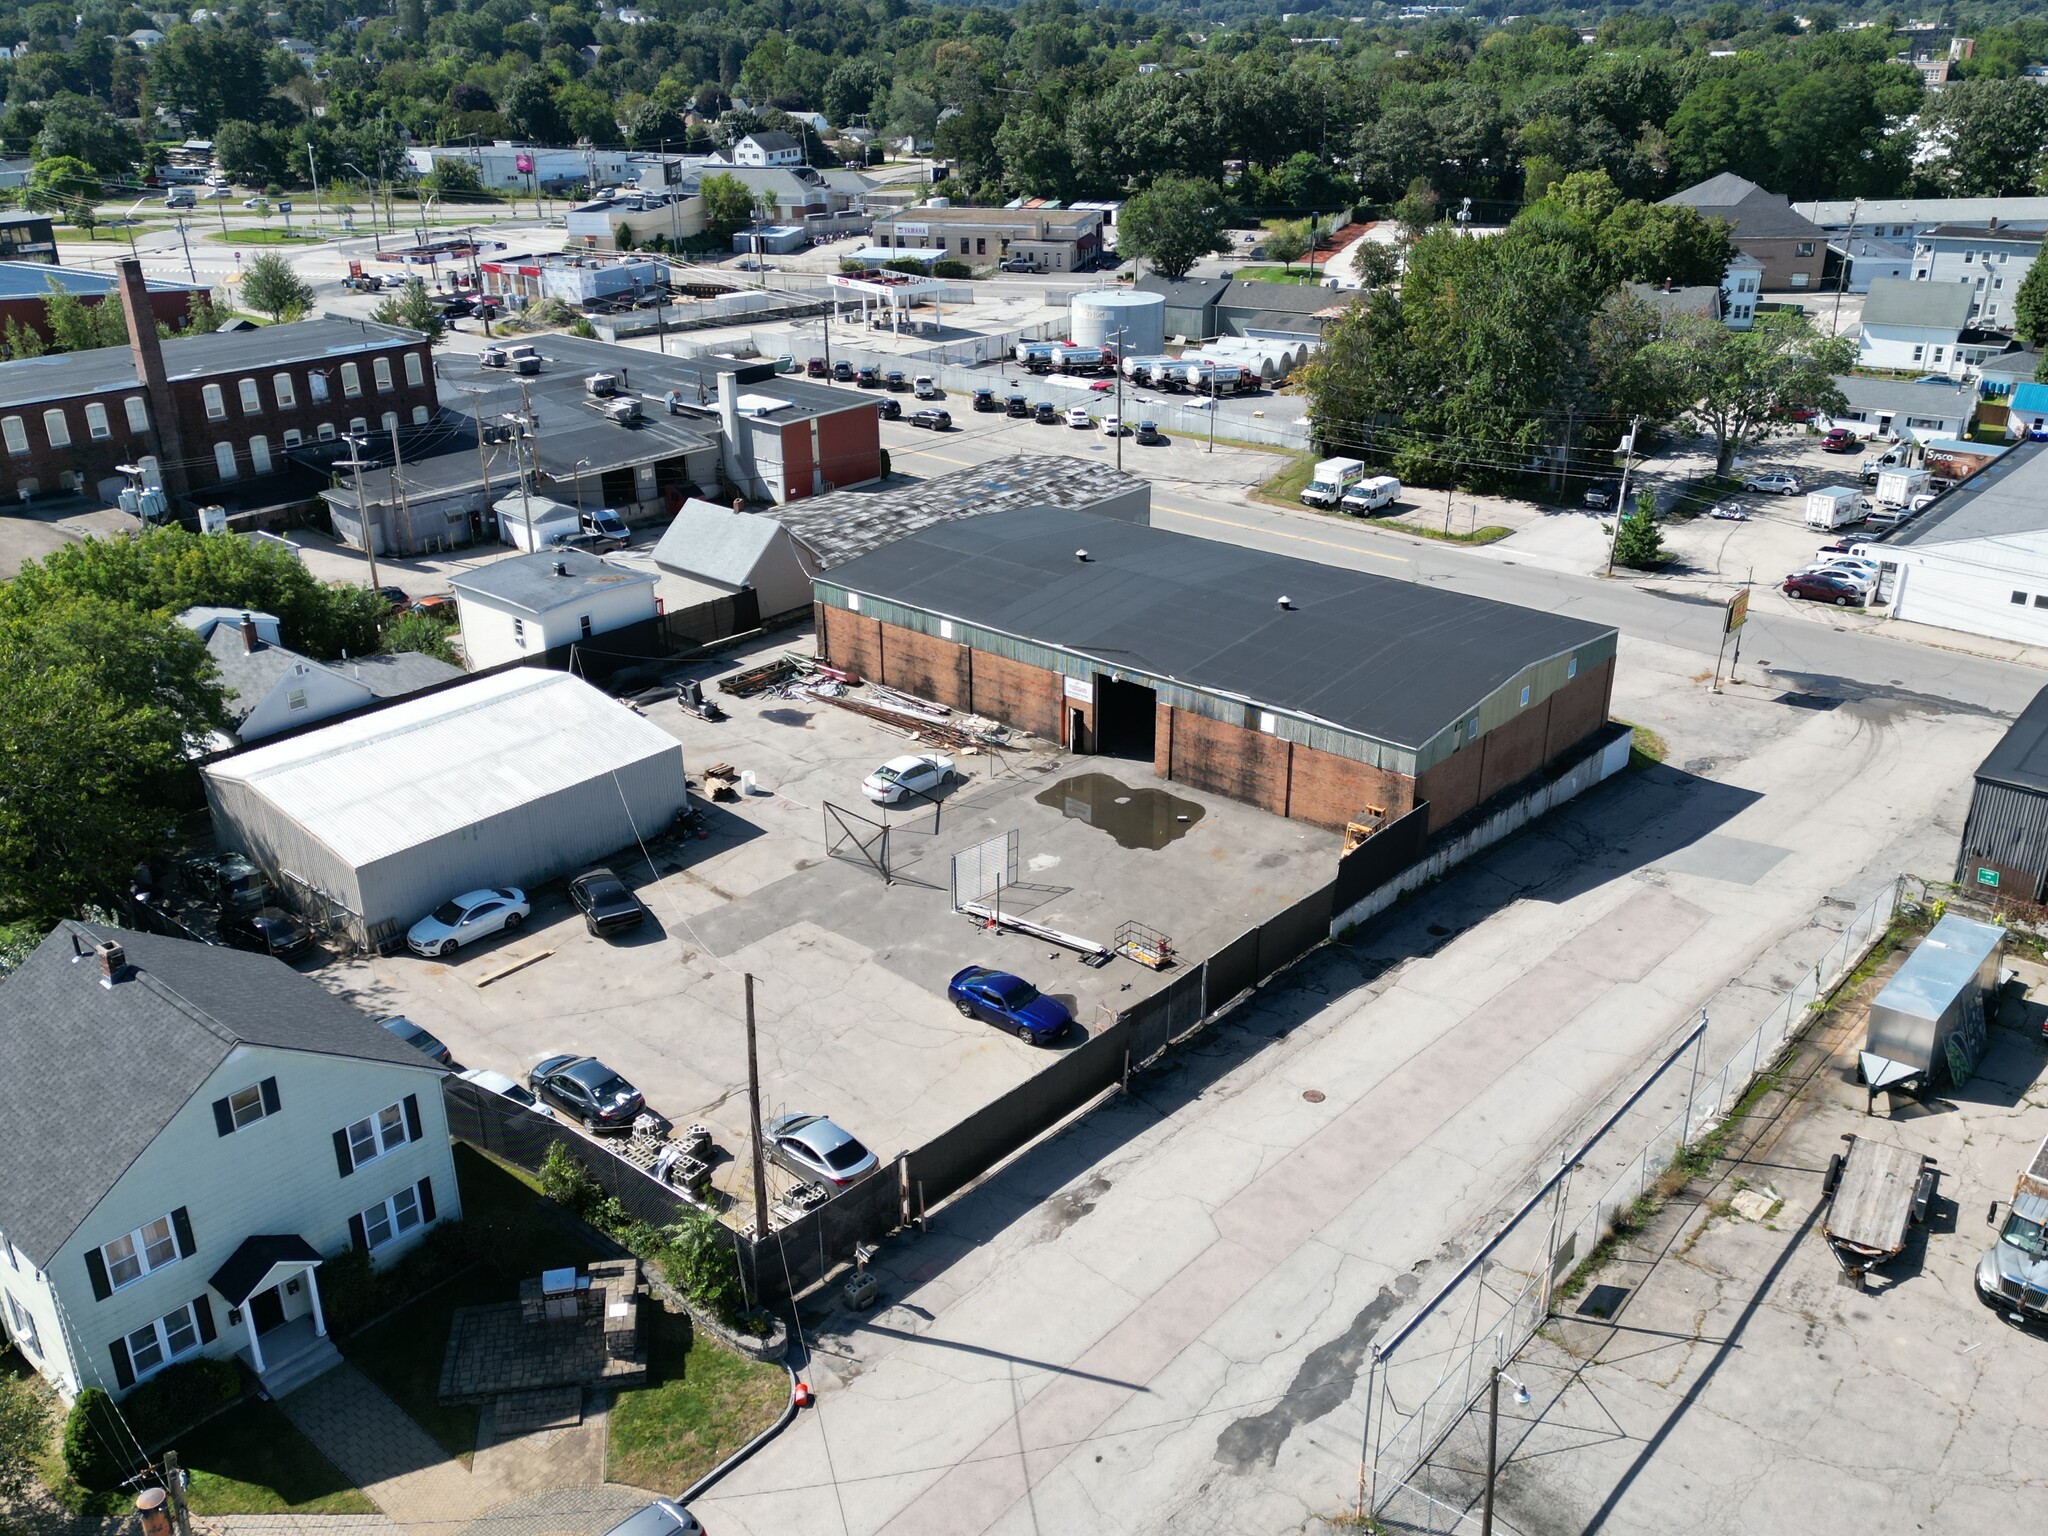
(1492, 1449)
(1120, 397)
(174, 1487)
(531, 437)
(313, 169)
(1628, 458)
(355, 462)
(1212, 410)
(398, 485)
(183, 239)
(754, 1122)
(1848, 257)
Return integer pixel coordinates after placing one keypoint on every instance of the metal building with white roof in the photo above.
(512, 779)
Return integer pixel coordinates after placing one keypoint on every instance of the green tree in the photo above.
(83, 127)
(210, 74)
(1652, 243)
(250, 152)
(420, 632)
(270, 286)
(1174, 223)
(1741, 386)
(2030, 306)
(1637, 543)
(24, 1433)
(1988, 138)
(728, 204)
(65, 185)
(415, 309)
(453, 174)
(100, 705)
(76, 326)
(1287, 245)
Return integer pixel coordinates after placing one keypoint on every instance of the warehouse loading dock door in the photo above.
(1126, 715)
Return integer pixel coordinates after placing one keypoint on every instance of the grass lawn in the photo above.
(251, 1461)
(264, 236)
(1307, 276)
(702, 1402)
(403, 1353)
(1285, 487)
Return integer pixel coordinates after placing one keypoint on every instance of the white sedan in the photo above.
(911, 778)
(471, 916)
(1077, 416)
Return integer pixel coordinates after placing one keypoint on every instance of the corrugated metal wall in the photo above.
(250, 824)
(2007, 828)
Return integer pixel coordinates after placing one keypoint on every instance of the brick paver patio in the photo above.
(383, 1452)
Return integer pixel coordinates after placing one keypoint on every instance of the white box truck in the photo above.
(2012, 1276)
(1832, 506)
(1371, 495)
(1331, 479)
(1897, 487)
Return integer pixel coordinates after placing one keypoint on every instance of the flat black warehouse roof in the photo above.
(1393, 660)
(2020, 760)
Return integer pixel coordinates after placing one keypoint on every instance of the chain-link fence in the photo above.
(1425, 1377)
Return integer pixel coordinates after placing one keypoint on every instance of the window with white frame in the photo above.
(326, 431)
(287, 392)
(259, 455)
(96, 423)
(316, 386)
(138, 414)
(155, 1345)
(419, 415)
(252, 398)
(224, 461)
(1525, 699)
(370, 1138)
(380, 372)
(413, 373)
(147, 1249)
(58, 426)
(216, 402)
(358, 426)
(24, 1327)
(392, 1218)
(296, 699)
(351, 380)
(293, 437)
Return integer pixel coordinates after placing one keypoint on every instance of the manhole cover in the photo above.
(1313, 1095)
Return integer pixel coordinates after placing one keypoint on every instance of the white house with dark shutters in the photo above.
(191, 1130)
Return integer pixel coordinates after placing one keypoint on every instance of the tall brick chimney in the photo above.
(149, 363)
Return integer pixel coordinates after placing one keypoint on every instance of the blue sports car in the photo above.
(1010, 1003)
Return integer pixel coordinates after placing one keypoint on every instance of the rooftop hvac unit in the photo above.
(624, 412)
(529, 365)
(602, 385)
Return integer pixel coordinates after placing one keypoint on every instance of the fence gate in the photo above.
(852, 836)
(981, 872)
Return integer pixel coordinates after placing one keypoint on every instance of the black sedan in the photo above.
(586, 1090)
(607, 906)
(272, 931)
(1046, 414)
(892, 408)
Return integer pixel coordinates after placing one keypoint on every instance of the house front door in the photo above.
(266, 1310)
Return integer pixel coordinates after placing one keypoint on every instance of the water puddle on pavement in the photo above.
(1136, 818)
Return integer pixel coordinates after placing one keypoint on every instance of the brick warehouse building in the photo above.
(1357, 692)
(202, 410)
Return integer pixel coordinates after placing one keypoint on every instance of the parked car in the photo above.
(1016, 405)
(442, 603)
(891, 408)
(1046, 414)
(254, 202)
(1860, 567)
(1728, 512)
(812, 1147)
(925, 387)
(1016, 264)
(471, 916)
(419, 1040)
(505, 1087)
(843, 371)
(985, 400)
(934, 418)
(664, 1517)
(1840, 440)
(1846, 545)
(181, 197)
(1601, 497)
(896, 380)
(1775, 482)
(606, 903)
(269, 931)
(1113, 425)
(1077, 416)
(589, 543)
(397, 597)
(912, 777)
(1010, 1003)
(868, 378)
(1150, 435)
(587, 1091)
(816, 368)
(1824, 587)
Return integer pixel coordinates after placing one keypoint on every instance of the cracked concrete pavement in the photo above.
(1153, 1321)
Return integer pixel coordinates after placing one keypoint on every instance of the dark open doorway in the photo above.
(1125, 717)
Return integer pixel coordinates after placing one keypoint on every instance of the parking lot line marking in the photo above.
(1281, 533)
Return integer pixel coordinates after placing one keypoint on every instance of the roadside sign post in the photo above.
(1733, 618)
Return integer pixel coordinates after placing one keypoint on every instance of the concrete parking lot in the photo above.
(850, 972)
(1741, 1380)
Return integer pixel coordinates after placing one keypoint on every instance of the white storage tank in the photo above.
(1097, 316)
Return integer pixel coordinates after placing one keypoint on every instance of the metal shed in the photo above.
(1930, 1015)
(2005, 836)
(512, 779)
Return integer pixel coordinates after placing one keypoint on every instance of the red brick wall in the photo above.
(796, 461)
(1514, 750)
(929, 667)
(1329, 790)
(1452, 786)
(850, 445)
(172, 308)
(1578, 709)
(850, 640)
(1230, 760)
(1027, 697)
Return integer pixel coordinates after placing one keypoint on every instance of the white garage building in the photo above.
(513, 779)
(1977, 560)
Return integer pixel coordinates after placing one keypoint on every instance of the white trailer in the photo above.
(1897, 487)
(1832, 506)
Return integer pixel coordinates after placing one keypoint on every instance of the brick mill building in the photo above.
(1310, 691)
(199, 411)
